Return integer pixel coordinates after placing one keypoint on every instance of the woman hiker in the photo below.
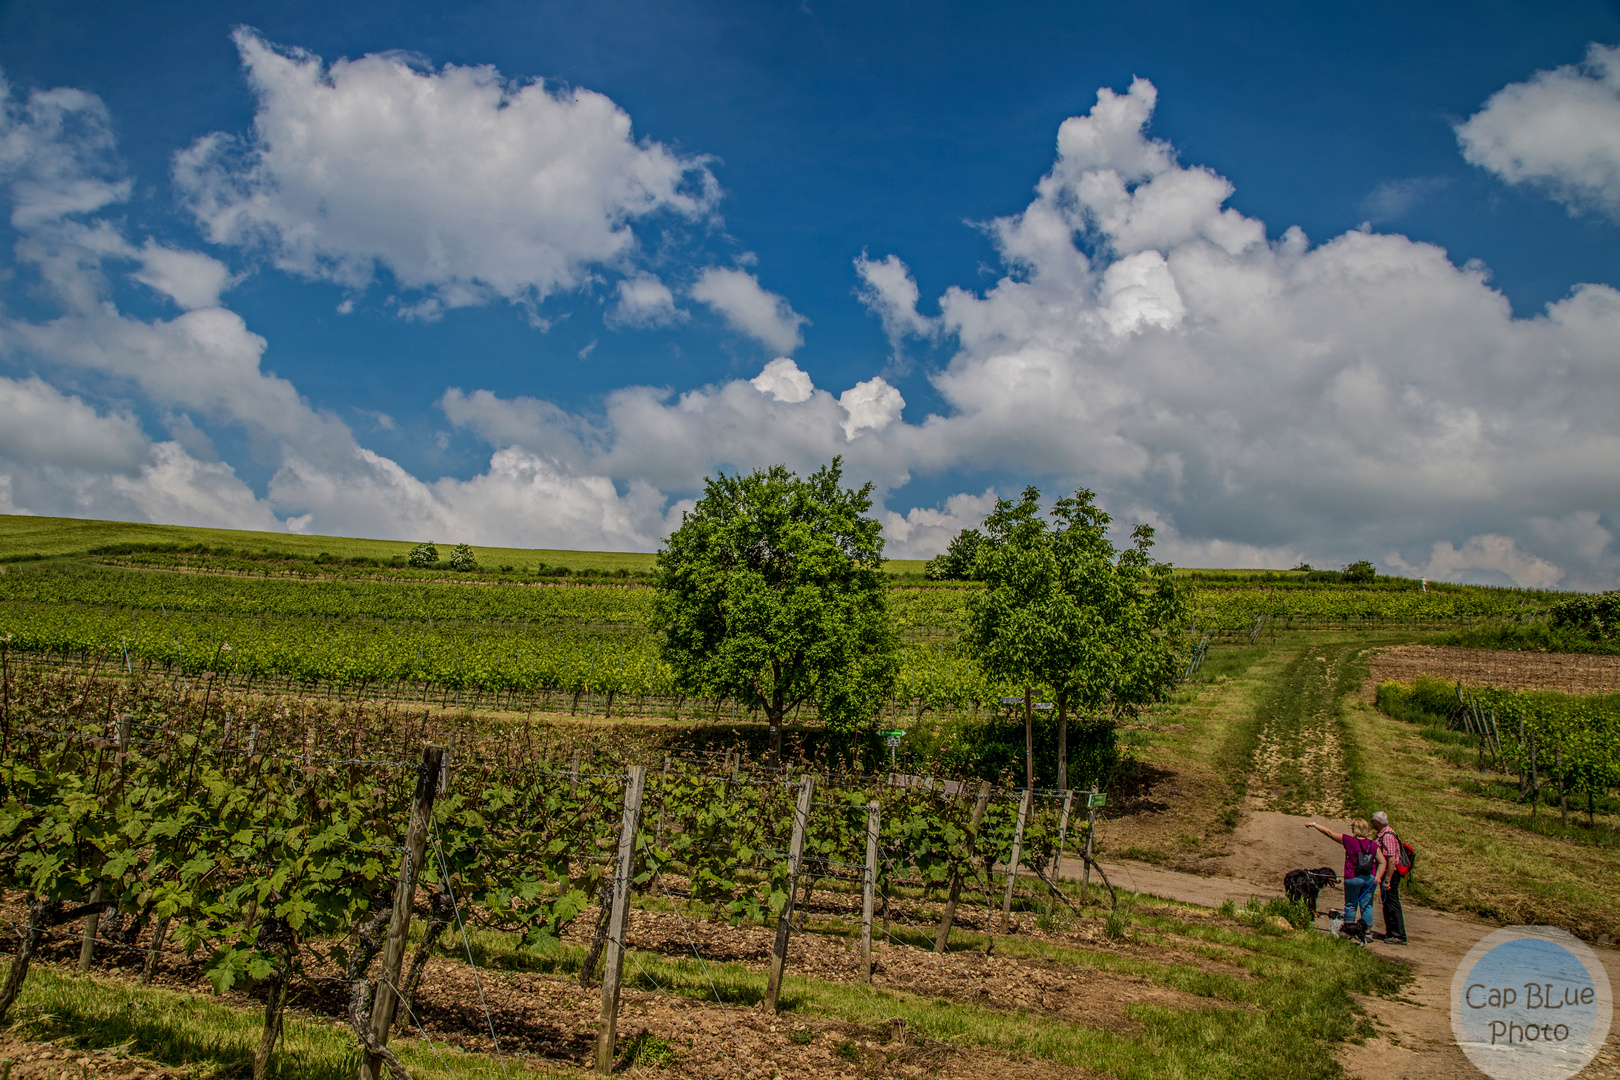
(1360, 869)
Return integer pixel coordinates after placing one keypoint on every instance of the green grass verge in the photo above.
(1276, 1003)
(216, 1038)
(1478, 852)
(24, 537)
(1278, 1015)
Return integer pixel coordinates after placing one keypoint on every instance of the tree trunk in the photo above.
(1063, 745)
(1029, 738)
(25, 953)
(272, 1023)
(441, 913)
(773, 714)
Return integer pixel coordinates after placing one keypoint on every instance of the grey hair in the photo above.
(1380, 818)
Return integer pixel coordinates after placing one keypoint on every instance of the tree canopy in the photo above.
(1064, 610)
(772, 592)
(957, 561)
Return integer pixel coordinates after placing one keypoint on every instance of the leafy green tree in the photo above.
(1011, 630)
(462, 559)
(956, 563)
(1361, 572)
(772, 592)
(423, 555)
(1118, 618)
(1062, 608)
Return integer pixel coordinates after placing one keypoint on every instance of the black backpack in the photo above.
(1366, 861)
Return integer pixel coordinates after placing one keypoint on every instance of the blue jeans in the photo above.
(1358, 898)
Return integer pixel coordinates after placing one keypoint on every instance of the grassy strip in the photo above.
(1241, 740)
(1280, 1021)
(26, 537)
(215, 1038)
(1480, 854)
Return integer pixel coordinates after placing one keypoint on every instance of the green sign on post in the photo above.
(1097, 799)
(891, 734)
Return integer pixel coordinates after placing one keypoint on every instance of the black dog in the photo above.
(1306, 884)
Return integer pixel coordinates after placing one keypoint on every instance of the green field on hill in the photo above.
(23, 537)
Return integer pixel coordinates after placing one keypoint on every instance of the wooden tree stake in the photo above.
(619, 921)
(1091, 830)
(949, 915)
(1063, 834)
(385, 999)
(869, 886)
(784, 922)
(1017, 849)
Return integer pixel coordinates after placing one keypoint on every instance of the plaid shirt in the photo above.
(1389, 845)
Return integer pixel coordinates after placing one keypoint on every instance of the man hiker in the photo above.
(1389, 880)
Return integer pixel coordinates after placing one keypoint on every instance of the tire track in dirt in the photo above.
(1298, 765)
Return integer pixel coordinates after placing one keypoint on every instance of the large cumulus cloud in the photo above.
(464, 185)
(1257, 397)
(1559, 131)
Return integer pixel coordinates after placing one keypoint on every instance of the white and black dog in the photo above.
(1306, 884)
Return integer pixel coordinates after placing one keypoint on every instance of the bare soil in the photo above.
(1568, 673)
(22, 1059)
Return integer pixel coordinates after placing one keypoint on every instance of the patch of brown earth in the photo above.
(24, 1059)
(1568, 673)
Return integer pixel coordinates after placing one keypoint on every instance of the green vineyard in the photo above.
(528, 639)
(260, 841)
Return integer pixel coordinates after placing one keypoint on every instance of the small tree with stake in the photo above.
(1011, 630)
(1063, 608)
(772, 592)
(1117, 618)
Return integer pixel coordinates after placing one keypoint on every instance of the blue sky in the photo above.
(411, 270)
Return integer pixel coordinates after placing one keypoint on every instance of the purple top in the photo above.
(1352, 845)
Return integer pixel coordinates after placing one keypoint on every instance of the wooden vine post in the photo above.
(869, 886)
(386, 999)
(784, 921)
(1091, 829)
(1017, 850)
(949, 916)
(1063, 835)
(87, 942)
(619, 921)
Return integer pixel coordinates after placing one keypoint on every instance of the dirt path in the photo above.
(1414, 1040)
(1299, 764)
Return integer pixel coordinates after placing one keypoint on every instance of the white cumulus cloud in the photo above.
(870, 406)
(644, 301)
(748, 308)
(1482, 557)
(463, 184)
(888, 288)
(1559, 131)
(56, 155)
(783, 381)
(1256, 397)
